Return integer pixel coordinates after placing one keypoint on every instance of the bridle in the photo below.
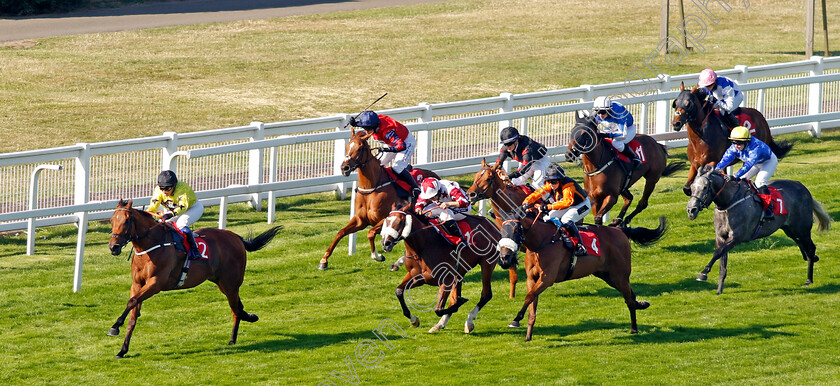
(483, 194)
(707, 191)
(689, 117)
(131, 224)
(356, 164)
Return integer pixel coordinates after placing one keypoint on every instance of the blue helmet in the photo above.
(368, 120)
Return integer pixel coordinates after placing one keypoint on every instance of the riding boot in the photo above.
(634, 160)
(192, 254)
(579, 249)
(731, 120)
(452, 228)
(405, 175)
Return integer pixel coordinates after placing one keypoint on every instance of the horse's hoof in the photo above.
(807, 283)
(377, 256)
(514, 324)
(634, 331)
(114, 331)
(394, 268)
(434, 328)
(616, 222)
(468, 328)
(815, 259)
(322, 266)
(642, 305)
(251, 318)
(118, 356)
(233, 342)
(415, 321)
(702, 277)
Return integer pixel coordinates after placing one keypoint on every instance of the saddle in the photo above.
(182, 245)
(452, 239)
(634, 145)
(589, 240)
(774, 198)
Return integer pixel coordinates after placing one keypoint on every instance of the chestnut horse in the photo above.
(431, 260)
(548, 262)
(605, 179)
(157, 266)
(374, 196)
(491, 183)
(708, 137)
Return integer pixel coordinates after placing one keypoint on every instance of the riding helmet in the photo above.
(508, 135)
(554, 173)
(740, 134)
(167, 178)
(368, 120)
(707, 77)
(602, 103)
(429, 188)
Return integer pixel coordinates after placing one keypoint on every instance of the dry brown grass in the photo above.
(92, 88)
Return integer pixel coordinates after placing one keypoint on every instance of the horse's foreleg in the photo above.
(411, 280)
(355, 224)
(371, 237)
(138, 295)
(724, 260)
(604, 211)
(513, 277)
(628, 198)
(132, 321)
(650, 184)
(532, 318)
(486, 295)
(533, 293)
(692, 172)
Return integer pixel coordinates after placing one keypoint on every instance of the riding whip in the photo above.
(365, 109)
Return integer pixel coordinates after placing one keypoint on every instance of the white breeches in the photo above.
(762, 172)
(573, 213)
(619, 142)
(189, 217)
(536, 173)
(444, 215)
(399, 161)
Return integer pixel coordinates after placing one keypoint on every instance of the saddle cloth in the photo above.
(453, 240)
(634, 145)
(184, 245)
(775, 198)
(590, 241)
(417, 174)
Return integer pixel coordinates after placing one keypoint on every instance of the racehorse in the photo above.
(547, 262)
(605, 179)
(739, 220)
(431, 260)
(156, 266)
(708, 138)
(374, 196)
(491, 182)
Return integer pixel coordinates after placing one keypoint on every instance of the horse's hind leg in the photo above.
(621, 282)
(807, 248)
(231, 291)
(486, 295)
(650, 184)
(628, 198)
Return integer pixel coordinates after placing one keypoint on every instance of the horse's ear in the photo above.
(394, 206)
(694, 89)
(483, 163)
(682, 86)
(129, 203)
(365, 136)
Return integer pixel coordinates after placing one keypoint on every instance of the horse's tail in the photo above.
(260, 241)
(780, 149)
(645, 236)
(822, 216)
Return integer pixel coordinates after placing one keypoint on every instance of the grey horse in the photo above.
(738, 213)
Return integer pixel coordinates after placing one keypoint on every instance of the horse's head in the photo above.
(397, 226)
(686, 107)
(123, 227)
(584, 137)
(512, 239)
(486, 182)
(705, 188)
(357, 154)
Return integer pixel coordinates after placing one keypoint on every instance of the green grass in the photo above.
(765, 329)
(98, 87)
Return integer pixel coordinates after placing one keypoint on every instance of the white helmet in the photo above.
(602, 103)
(429, 188)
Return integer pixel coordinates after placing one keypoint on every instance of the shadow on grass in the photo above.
(286, 342)
(648, 334)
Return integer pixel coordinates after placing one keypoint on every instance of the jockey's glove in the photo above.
(515, 174)
(384, 149)
(353, 122)
(166, 216)
(524, 207)
(544, 208)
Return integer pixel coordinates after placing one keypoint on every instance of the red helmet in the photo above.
(429, 188)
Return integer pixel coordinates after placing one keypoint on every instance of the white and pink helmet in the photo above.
(707, 77)
(429, 188)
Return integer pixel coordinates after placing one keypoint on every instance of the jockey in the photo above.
(444, 200)
(567, 204)
(723, 93)
(180, 206)
(759, 160)
(528, 152)
(400, 144)
(620, 127)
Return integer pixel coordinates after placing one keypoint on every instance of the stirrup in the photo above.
(580, 250)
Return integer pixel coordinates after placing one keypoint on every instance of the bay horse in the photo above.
(157, 266)
(548, 262)
(738, 214)
(374, 196)
(491, 183)
(431, 260)
(605, 179)
(708, 137)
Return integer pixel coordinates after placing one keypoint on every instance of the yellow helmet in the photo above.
(740, 133)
